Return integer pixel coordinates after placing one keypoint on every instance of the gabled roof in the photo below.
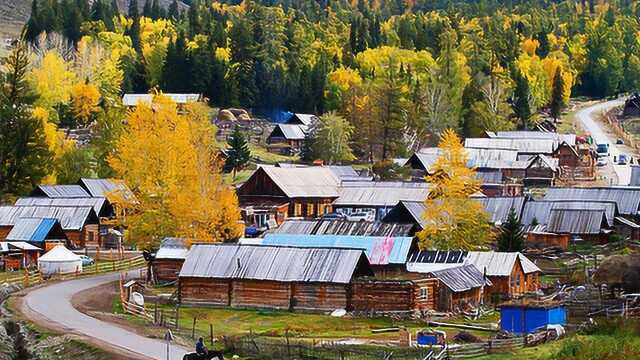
(290, 131)
(135, 99)
(302, 119)
(477, 157)
(8, 246)
(490, 262)
(70, 218)
(105, 187)
(530, 145)
(498, 208)
(98, 203)
(273, 263)
(35, 229)
(541, 210)
(61, 191)
(461, 278)
(626, 197)
(380, 250)
(380, 193)
(407, 212)
(542, 160)
(172, 248)
(572, 221)
(312, 182)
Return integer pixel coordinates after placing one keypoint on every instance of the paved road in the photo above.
(587, 117)
(53, 304)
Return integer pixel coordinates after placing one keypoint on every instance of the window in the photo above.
(518, 280)
(309, 209)
(297, 209)
(424, 294)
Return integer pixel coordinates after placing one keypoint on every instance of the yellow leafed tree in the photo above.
(453, 220)
(169, 160)
(85, 99)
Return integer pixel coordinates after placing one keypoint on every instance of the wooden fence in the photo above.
(468, 351)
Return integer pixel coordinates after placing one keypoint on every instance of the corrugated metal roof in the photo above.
(172, 248)
(135, 99)
(96, 202)
(492, 262)
(380, 250)
(568, 138)
(380, 193)
(292, 131)
(6, 246)
(103, 187)
(499, 207)
(627, 222)
(275, 263)
(531, 145)
(635, 175)
(306, 119)
(540, 210)
(570, 221)
(70, 218)
(627, 198)
(343, 171)
(62, 191)
(338, 227)
(490, 177)
(304, 182)
(461, 278)
(477, 157)
(31, 229)
(416, 209)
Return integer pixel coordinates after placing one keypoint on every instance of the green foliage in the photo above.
(387, 170)
(557, 102)
(522, 101)
(331, 139)
(238, 153)
(511, 237)
(24, 155)
(74, 164)
(609, 339)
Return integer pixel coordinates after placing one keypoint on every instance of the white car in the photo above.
(602, 161)
(361, 216)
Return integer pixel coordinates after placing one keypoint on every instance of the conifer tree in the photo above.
(238, 151)
(557, 101)
(174, 11)
(24, 154)
(133, 9)
(521, 101)
(146, 10)
(34, 25)
(511, 237)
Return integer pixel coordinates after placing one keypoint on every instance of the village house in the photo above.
(167, 262)
(44, 233)
(377, 197)
(79, 223)
(15, 255)
(511, 274)
(456, 290)
(387, 255)
(627, 198)
(542, 170)
(273, 194)
(288, 138)
(289, 278)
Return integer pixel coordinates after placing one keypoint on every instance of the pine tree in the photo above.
(155, 10)
(557, 95)
(174, 11)
(24, 154)
(146, 10)
(34, 25)
(238, 152)
(511, 237)
(133, 9)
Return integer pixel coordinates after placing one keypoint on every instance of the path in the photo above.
(587, 118)
(51, 306)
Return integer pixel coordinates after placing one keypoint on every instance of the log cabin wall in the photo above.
(382, 295)
(4, 231)
(204, 291)
(311, 296)
(260, 294)
(425, 294)
(167, 269)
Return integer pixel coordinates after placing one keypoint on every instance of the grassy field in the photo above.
(261, 155)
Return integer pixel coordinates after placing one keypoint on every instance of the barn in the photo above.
(274, 277)
(166, 264)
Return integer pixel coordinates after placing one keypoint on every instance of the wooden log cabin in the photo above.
(289, 192)
(79, 223)
(288, 278)
(510, 274)
(167, 262)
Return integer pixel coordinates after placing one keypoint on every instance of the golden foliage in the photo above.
(453, 220)
(169, 160)
(84, 102)
(52, 79)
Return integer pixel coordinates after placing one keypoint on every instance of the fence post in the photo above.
(193, 328)
(211, 333)
(286, 335)
(155, 313)
(177, 316)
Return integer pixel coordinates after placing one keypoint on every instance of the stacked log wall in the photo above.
(382, 296)
(313, 296)
(205, 291)
(260, 294)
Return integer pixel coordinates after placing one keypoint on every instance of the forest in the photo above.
(391, 75)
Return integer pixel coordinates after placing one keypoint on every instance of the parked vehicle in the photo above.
(620, 141)
(361, 216)
(623, 159)
(87, 260)
(602, 149)
(602, 161)
(334, 216)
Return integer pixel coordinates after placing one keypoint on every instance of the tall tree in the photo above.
(133, 10)
(557, 95)
(390, 113)
(34, 24)
(332, 138)
(24, 155)
(522, 99)
(453, 219)
(511, 237)
(238, 153)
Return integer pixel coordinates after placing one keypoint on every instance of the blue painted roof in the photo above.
(381, 250)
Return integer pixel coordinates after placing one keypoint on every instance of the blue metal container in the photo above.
(524, 319)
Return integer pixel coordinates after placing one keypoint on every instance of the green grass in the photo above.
(261, 155)
(241, 176)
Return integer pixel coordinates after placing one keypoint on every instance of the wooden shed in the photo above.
(166, 264)
(274, 277)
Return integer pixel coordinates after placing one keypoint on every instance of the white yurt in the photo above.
(59, 260)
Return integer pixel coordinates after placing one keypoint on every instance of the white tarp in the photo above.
(59, 260)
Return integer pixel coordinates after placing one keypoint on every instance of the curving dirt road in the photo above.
(50, 306)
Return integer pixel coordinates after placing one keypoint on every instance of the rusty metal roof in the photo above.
(273, 263)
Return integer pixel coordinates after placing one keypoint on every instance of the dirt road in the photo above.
(50, 306)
